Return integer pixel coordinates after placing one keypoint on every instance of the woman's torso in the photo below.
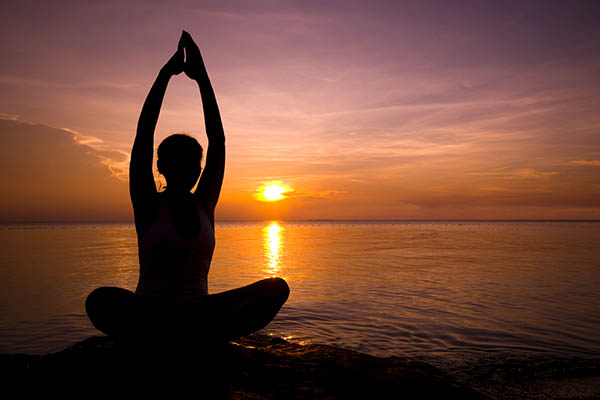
(175, 257)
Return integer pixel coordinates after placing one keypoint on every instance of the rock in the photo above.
(254, 367)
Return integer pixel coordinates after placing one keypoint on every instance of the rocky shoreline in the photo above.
(254, 367)
(266, 367)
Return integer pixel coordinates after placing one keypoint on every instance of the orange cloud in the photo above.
(51, 174)
(592, 163)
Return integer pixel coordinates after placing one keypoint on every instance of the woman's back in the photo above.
(176, 251)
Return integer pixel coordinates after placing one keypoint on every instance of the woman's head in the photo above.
(179, 158)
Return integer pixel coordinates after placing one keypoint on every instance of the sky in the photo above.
(365, 110)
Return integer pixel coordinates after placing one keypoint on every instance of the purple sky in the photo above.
(365, 109)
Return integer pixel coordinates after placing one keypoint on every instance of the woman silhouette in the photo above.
(175, 230)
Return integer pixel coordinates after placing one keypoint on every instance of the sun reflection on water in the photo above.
(273, 245)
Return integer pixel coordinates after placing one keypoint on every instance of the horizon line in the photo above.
(8, 222)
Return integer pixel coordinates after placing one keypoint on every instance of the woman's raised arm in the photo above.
(209, 187)
(142, 188)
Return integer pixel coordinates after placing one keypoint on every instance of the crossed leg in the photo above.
(227, 315)
(245, 310)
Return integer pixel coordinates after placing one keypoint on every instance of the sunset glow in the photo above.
(273, 247)
(272, 192)
(379, 110)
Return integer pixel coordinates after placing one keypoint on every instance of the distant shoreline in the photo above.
(338, 221)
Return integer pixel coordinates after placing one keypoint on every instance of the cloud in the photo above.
(51, 174)
(119, 167)
(11, 117)
(593, 163)
(522, 173)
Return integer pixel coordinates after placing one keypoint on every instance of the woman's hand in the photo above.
(176, 63)
(194, 65)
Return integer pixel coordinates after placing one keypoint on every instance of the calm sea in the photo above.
(443, 291)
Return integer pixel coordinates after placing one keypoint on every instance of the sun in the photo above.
(272, 192)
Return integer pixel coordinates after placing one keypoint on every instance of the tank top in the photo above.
(171, 266)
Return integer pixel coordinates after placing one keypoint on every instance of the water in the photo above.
(447, 292)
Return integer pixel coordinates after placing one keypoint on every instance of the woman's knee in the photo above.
(277, 288)
(94, 300)
(109, 309)
(105, 298)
